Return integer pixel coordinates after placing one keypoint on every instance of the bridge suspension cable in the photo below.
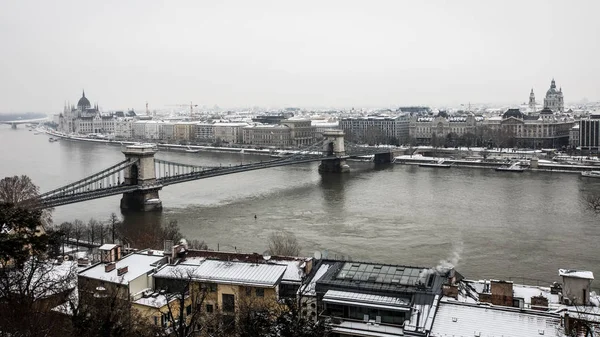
(165, 168)
(110, 177)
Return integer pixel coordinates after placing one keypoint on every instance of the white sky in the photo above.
(302, 53)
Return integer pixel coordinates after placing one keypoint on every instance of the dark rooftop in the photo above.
(380, 278)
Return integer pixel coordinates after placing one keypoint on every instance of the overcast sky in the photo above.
(302, 53)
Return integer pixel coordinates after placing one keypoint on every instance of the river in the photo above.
(492, 224)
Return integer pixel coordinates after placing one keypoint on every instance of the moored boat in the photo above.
(190, 150)
(440, 163)
(591, 174)
(514, 167)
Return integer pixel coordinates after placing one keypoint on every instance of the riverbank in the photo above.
(499, 157)
(168, 147)
(525, 164)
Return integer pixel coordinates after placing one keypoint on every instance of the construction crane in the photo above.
(191, 105)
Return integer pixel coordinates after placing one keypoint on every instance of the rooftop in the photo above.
(576, 273)
(137, 263)
(367, 300)
(265, 275)
(461, 319)
(382, 278)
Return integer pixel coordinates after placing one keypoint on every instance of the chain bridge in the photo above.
(140, 176)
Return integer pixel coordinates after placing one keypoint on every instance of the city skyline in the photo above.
(271, 54)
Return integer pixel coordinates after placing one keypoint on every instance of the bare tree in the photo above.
(283, 243)
(184, 300)
(65, 229)
(20, 190)
(107, 311)
(197, 244)
(113, 223)
(78, 231)
(30, 283)
(592, 201)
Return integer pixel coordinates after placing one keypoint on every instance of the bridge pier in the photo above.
(142, 174)
(384, 158)
(334, 146)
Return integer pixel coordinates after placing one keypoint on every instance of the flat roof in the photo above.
(367, 300)
(137, 264)
(459, 319)
(107, 246)
(244, 273)
(576, 273)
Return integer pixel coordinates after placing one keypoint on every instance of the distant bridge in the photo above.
(14, 123)
(140, 176)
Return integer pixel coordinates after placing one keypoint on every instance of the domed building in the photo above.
(554, 98)
(85, 119)
(83, 103)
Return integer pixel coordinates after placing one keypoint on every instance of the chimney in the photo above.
(539, 303)
(109, 267)
(450, 290)
(122, 271)
(502, 293)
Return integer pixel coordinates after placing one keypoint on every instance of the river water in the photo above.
(493, 224)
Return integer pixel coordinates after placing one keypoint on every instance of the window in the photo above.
(188, 310)
(248, 291)
(260, 292)
(209, 308)
(228, 303)
(212, 287)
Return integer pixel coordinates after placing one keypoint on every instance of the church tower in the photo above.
(532, 101)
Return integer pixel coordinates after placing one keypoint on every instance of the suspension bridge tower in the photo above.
(143, 174)
(334, 146)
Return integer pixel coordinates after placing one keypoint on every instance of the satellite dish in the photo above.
(266, 257)
(317, 255)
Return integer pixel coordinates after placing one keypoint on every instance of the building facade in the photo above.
(423, 129)
(589, 134)
(376, 129)
(544, 130)
(85, 119)
(277, 136)
(302, 133)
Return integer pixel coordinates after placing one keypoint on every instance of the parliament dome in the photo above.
(83, 103)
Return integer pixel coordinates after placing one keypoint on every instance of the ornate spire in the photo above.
(84, 92)
(553, 84)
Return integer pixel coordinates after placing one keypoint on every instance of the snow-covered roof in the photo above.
(526, 292)
(309, 289)
(155, 302)
(364, 329)
(264, 275)
(367, 300)
(293, 271)
(107, 246)
(137, 264)
(460, 319)
(576, 273)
